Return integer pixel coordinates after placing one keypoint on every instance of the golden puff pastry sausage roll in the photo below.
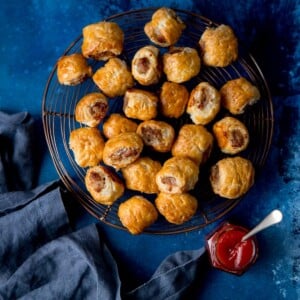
(73, 69)
(204, 103)
(158, 135)
(219, 46)
(122, 150)
(104, 186)
(177, 175)
(117, 124)
(231, 134)
(236, 94)
(140, 175)
(146, 65)
(140, 104)
(176, 208)
(87, 145)
(102, 40)
(173, 99)
(114, 78)
(180, 64)
(193, 141)
(165, 27)
(91, 109)
(137, 213)
(232, 177)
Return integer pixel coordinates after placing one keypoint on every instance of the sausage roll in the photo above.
(73, 69)
(173, 99)
(139, 104)
(165, 27)
(87, 145)
(117, 124)
(204, 103)
(103, 185)
(176, 208)
(122, 150)
(91, 109)
(137, 213)
(113, 78)
(193, 141)
(102, 40)
(232, 177)
(146, 65)
(180, 64)
(158, 135)
(231, 134)
(177, 175)
(236, 94)
(140, 175)
(219, 46)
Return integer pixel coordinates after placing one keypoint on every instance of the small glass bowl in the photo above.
(226, 250)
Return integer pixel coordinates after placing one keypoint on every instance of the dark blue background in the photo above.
(35, 33)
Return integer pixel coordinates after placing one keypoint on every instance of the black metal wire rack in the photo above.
(58, 120)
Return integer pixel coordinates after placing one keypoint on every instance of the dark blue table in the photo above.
(35, 33)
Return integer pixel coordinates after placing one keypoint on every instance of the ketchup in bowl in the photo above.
(226, 250)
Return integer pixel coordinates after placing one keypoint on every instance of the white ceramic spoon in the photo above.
(272, 218)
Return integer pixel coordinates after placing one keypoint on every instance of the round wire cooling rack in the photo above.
(59, 104)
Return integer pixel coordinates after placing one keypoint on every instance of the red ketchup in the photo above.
(226, 250)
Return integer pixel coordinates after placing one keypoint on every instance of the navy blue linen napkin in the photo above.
(41, 257)
(173, 277)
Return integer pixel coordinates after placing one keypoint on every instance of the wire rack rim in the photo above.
(46, 114)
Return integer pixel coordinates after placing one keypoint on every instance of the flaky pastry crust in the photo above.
(116, 124)
(103, 185)
(177, 175)
(140, 104)
(122, 150)
(219, 46)
(232, 177)
(181, 64)
(146, 66)
(176, 208)
(193, 141)
(165, 27)
(173, 99)
(114, 78)
(236, 94)
(102, 40)
(87, 145)
(140, 175)
(204, 103)
(137, 213)
(91, 109)
(231, 134)
(158, 135)
(73, 69)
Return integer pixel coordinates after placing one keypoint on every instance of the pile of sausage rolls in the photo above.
(120, 150)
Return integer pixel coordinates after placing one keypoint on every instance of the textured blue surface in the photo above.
(35, 33)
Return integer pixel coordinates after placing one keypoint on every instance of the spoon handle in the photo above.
(272, 218)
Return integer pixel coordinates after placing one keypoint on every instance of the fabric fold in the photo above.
(25, 228)
(172, 278)
(73, 266)
(40, 256)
